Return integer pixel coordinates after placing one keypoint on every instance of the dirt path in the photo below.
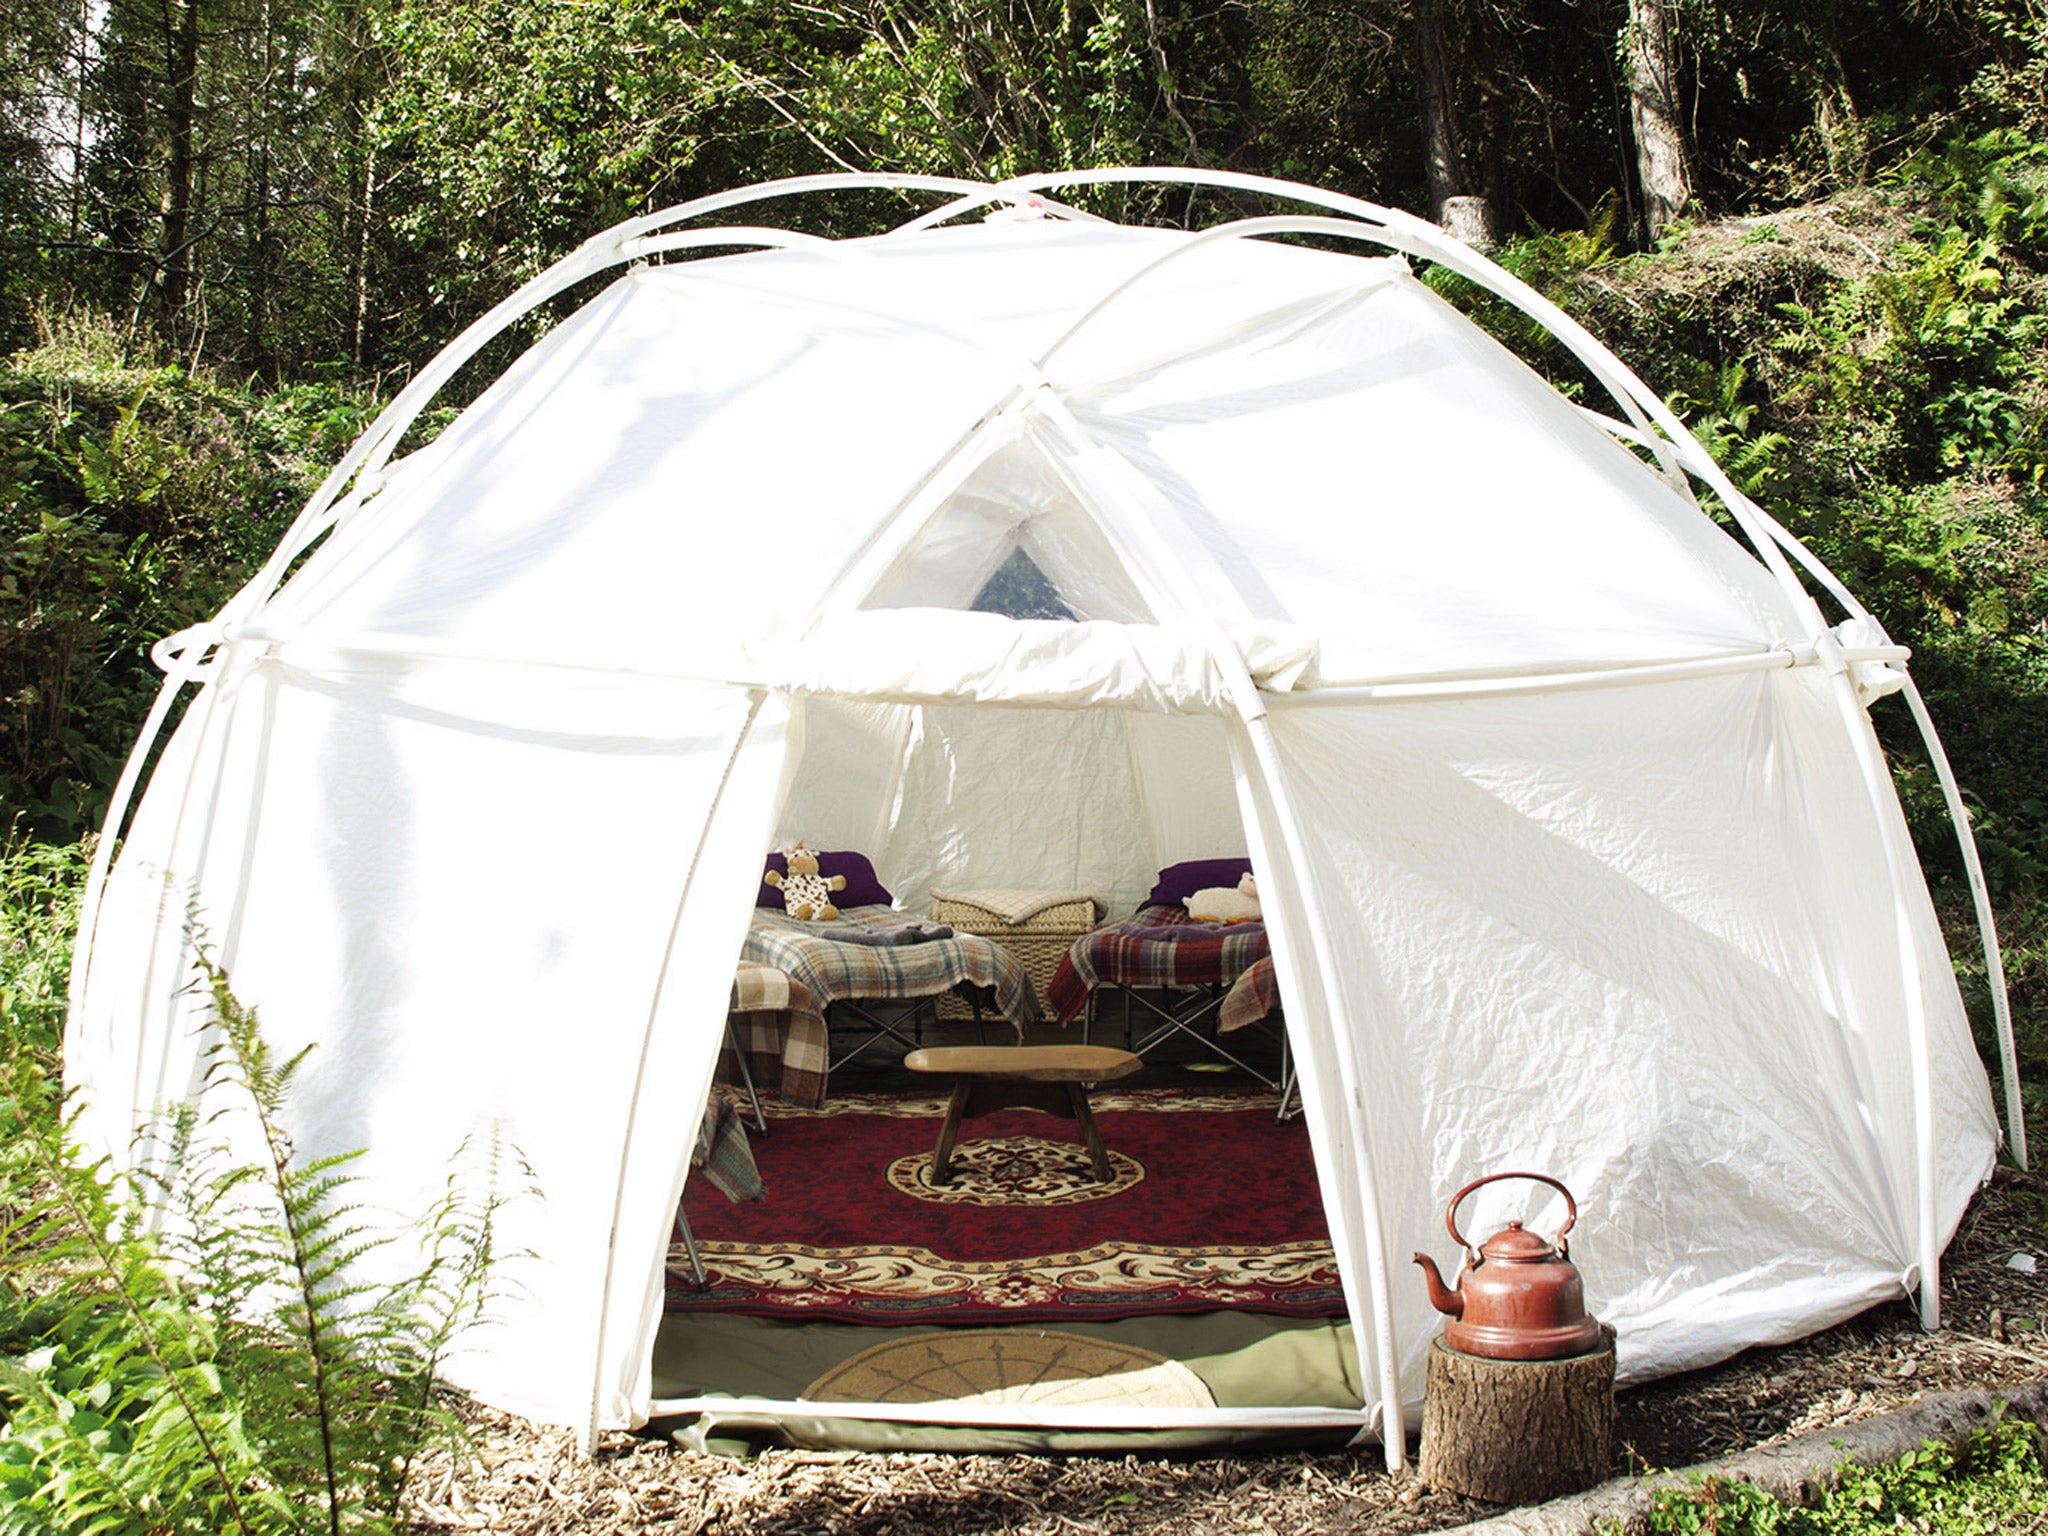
(532, 1481)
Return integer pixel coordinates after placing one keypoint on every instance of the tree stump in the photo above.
(1517, 1431)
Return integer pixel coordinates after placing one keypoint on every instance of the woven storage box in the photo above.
(1039, 941)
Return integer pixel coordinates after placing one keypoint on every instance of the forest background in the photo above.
(229, 229)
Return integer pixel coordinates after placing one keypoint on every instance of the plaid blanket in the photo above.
(781, 1027)
(723, 1153)
(808, 954)
(1251, 997)
(1160, 947)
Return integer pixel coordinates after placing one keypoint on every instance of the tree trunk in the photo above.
(1470, 219)
(1517, 1431)
(1662, 158)
(180, 111)
(1442, 160)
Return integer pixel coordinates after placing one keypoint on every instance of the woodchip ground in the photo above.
(533, 1481)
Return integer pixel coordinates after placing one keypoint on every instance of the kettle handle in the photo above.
(1571, 1207)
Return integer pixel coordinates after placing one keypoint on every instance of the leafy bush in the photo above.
(133, 500)
(40, 885)
(227, 1375)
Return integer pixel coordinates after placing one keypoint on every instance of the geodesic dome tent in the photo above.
(1577, 848)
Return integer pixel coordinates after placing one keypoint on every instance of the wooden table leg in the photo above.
(1097, 1155)
(942, 1160)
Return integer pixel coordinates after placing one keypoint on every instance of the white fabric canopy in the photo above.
(1573, 851)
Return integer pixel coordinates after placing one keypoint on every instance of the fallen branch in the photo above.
(1797, 1471)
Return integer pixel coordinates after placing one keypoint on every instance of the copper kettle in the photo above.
(1517, 1298)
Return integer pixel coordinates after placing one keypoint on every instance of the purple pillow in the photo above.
(863, 887)
(1177, 882)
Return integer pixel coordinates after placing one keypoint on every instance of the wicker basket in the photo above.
(1039, 942)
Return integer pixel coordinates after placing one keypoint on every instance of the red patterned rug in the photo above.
(1213, 1205)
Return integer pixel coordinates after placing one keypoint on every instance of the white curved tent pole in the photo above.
(1884, 804)
(1987, 928)
(1347, 229)
(608, 248)
(1966, 840)
(1154, 565)
(103, 849)
(1405, 232)
(724, 234)
(639, 1094)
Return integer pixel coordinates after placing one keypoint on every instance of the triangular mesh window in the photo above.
(1020, 590)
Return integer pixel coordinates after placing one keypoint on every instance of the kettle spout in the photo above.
(1446, 1300)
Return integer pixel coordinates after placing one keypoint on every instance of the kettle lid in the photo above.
(1515, 1245)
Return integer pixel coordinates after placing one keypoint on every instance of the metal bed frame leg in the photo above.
(690, 1247)
(746, 1077)
(880, 1028)
(1186, 1018)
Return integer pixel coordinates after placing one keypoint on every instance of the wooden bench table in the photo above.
(1051, 1077)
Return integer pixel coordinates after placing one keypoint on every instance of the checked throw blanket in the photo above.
(1160, 947)
(829, 969)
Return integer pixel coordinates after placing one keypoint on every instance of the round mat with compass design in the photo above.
(1015, 1170)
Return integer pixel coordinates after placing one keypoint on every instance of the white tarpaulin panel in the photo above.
(457, 888)
(475, 802)
(1639, 939)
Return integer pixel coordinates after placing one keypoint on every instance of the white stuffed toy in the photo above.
(1223, 904)
(806, 894)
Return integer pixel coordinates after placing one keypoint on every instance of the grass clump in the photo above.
(1993, 1481)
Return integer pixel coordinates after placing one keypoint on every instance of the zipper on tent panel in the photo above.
(601, 1358)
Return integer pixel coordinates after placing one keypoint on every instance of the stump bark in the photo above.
(1517, 1431)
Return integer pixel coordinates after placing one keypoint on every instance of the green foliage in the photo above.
(227, 1375)
(134, 498)
(1928, 365)
(1716, 405)
(1876, 373)
(40, 885)
(1991, 1482)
